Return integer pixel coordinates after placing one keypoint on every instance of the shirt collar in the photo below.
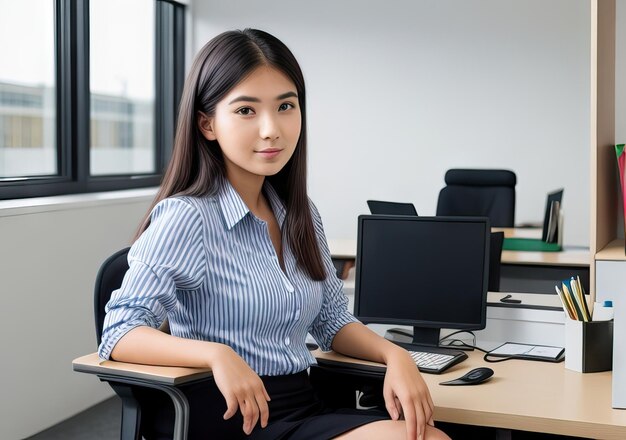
(277, 204)
(234, 209)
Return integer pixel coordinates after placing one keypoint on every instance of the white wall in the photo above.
(49, 257)
(401, 91)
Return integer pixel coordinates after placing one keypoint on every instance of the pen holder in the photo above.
(588, 346)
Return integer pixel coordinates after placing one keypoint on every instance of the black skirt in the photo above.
(295, 412)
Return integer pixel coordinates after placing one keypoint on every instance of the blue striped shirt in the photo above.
(209, 266)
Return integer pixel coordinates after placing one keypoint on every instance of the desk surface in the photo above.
(525, 395)
(346, 249)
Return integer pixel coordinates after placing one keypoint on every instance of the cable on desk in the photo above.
(459, 343)
(447, 341)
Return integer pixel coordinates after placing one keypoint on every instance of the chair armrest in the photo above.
(172, 376)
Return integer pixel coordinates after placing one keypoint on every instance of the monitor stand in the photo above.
(420, 336)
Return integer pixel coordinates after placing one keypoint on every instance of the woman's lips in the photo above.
(269, 153)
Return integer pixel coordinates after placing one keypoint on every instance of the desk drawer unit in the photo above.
(535, 278)
(611, 285)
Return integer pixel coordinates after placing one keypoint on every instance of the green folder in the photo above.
(529, 244)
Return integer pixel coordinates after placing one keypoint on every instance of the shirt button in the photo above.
(287, 340)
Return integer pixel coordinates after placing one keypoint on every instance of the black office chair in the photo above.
(391, 208)
(133, 387)
(483, 193)
(110, 278)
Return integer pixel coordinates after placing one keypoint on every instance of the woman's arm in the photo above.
(149, 346)
(239, 384)
(404, 389)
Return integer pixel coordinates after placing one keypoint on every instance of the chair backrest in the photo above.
(109, 278)
(482, 193)
(495, 256)
(391, 208)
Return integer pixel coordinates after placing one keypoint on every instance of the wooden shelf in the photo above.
(603, 172)
(567, 257)
(614, 251)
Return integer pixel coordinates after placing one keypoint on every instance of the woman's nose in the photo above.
(269, 128)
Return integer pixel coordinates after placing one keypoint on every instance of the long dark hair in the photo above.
(197, 165)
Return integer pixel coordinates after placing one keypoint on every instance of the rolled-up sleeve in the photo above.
(169, 256)
(334, 313)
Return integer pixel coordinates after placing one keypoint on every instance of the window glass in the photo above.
(27, 89)
(122, 41)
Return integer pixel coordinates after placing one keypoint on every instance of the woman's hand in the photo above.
(241, 387)
(406, 393)
(404, 390)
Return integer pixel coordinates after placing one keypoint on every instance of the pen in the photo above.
(507, 299)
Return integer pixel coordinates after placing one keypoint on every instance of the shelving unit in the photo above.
(609, 260)
(603, 235)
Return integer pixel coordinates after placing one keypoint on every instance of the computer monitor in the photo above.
(555, 196)
(426, 272)
(391, 208)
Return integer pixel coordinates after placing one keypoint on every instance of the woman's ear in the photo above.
(205, 124)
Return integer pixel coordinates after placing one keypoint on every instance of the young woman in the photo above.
(233, 255)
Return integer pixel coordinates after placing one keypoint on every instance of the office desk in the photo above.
(522, 395)
(520, 271)
(536, 272)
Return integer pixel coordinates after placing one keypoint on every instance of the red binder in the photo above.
(621, 162)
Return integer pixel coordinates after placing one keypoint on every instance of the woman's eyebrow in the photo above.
(286, 95)
(244, 98)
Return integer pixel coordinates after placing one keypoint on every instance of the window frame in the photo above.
(73, 117)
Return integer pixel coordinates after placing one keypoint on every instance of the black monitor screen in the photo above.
(428, 272)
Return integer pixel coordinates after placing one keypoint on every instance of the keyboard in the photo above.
(429, 362)
(433, 360)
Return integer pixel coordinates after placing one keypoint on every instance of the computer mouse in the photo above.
(472, 377)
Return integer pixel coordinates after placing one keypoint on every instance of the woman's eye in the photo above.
(285, 106)
(245, 111)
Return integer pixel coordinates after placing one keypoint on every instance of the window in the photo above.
(89, 95)
(27, 89)
(122, 93)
